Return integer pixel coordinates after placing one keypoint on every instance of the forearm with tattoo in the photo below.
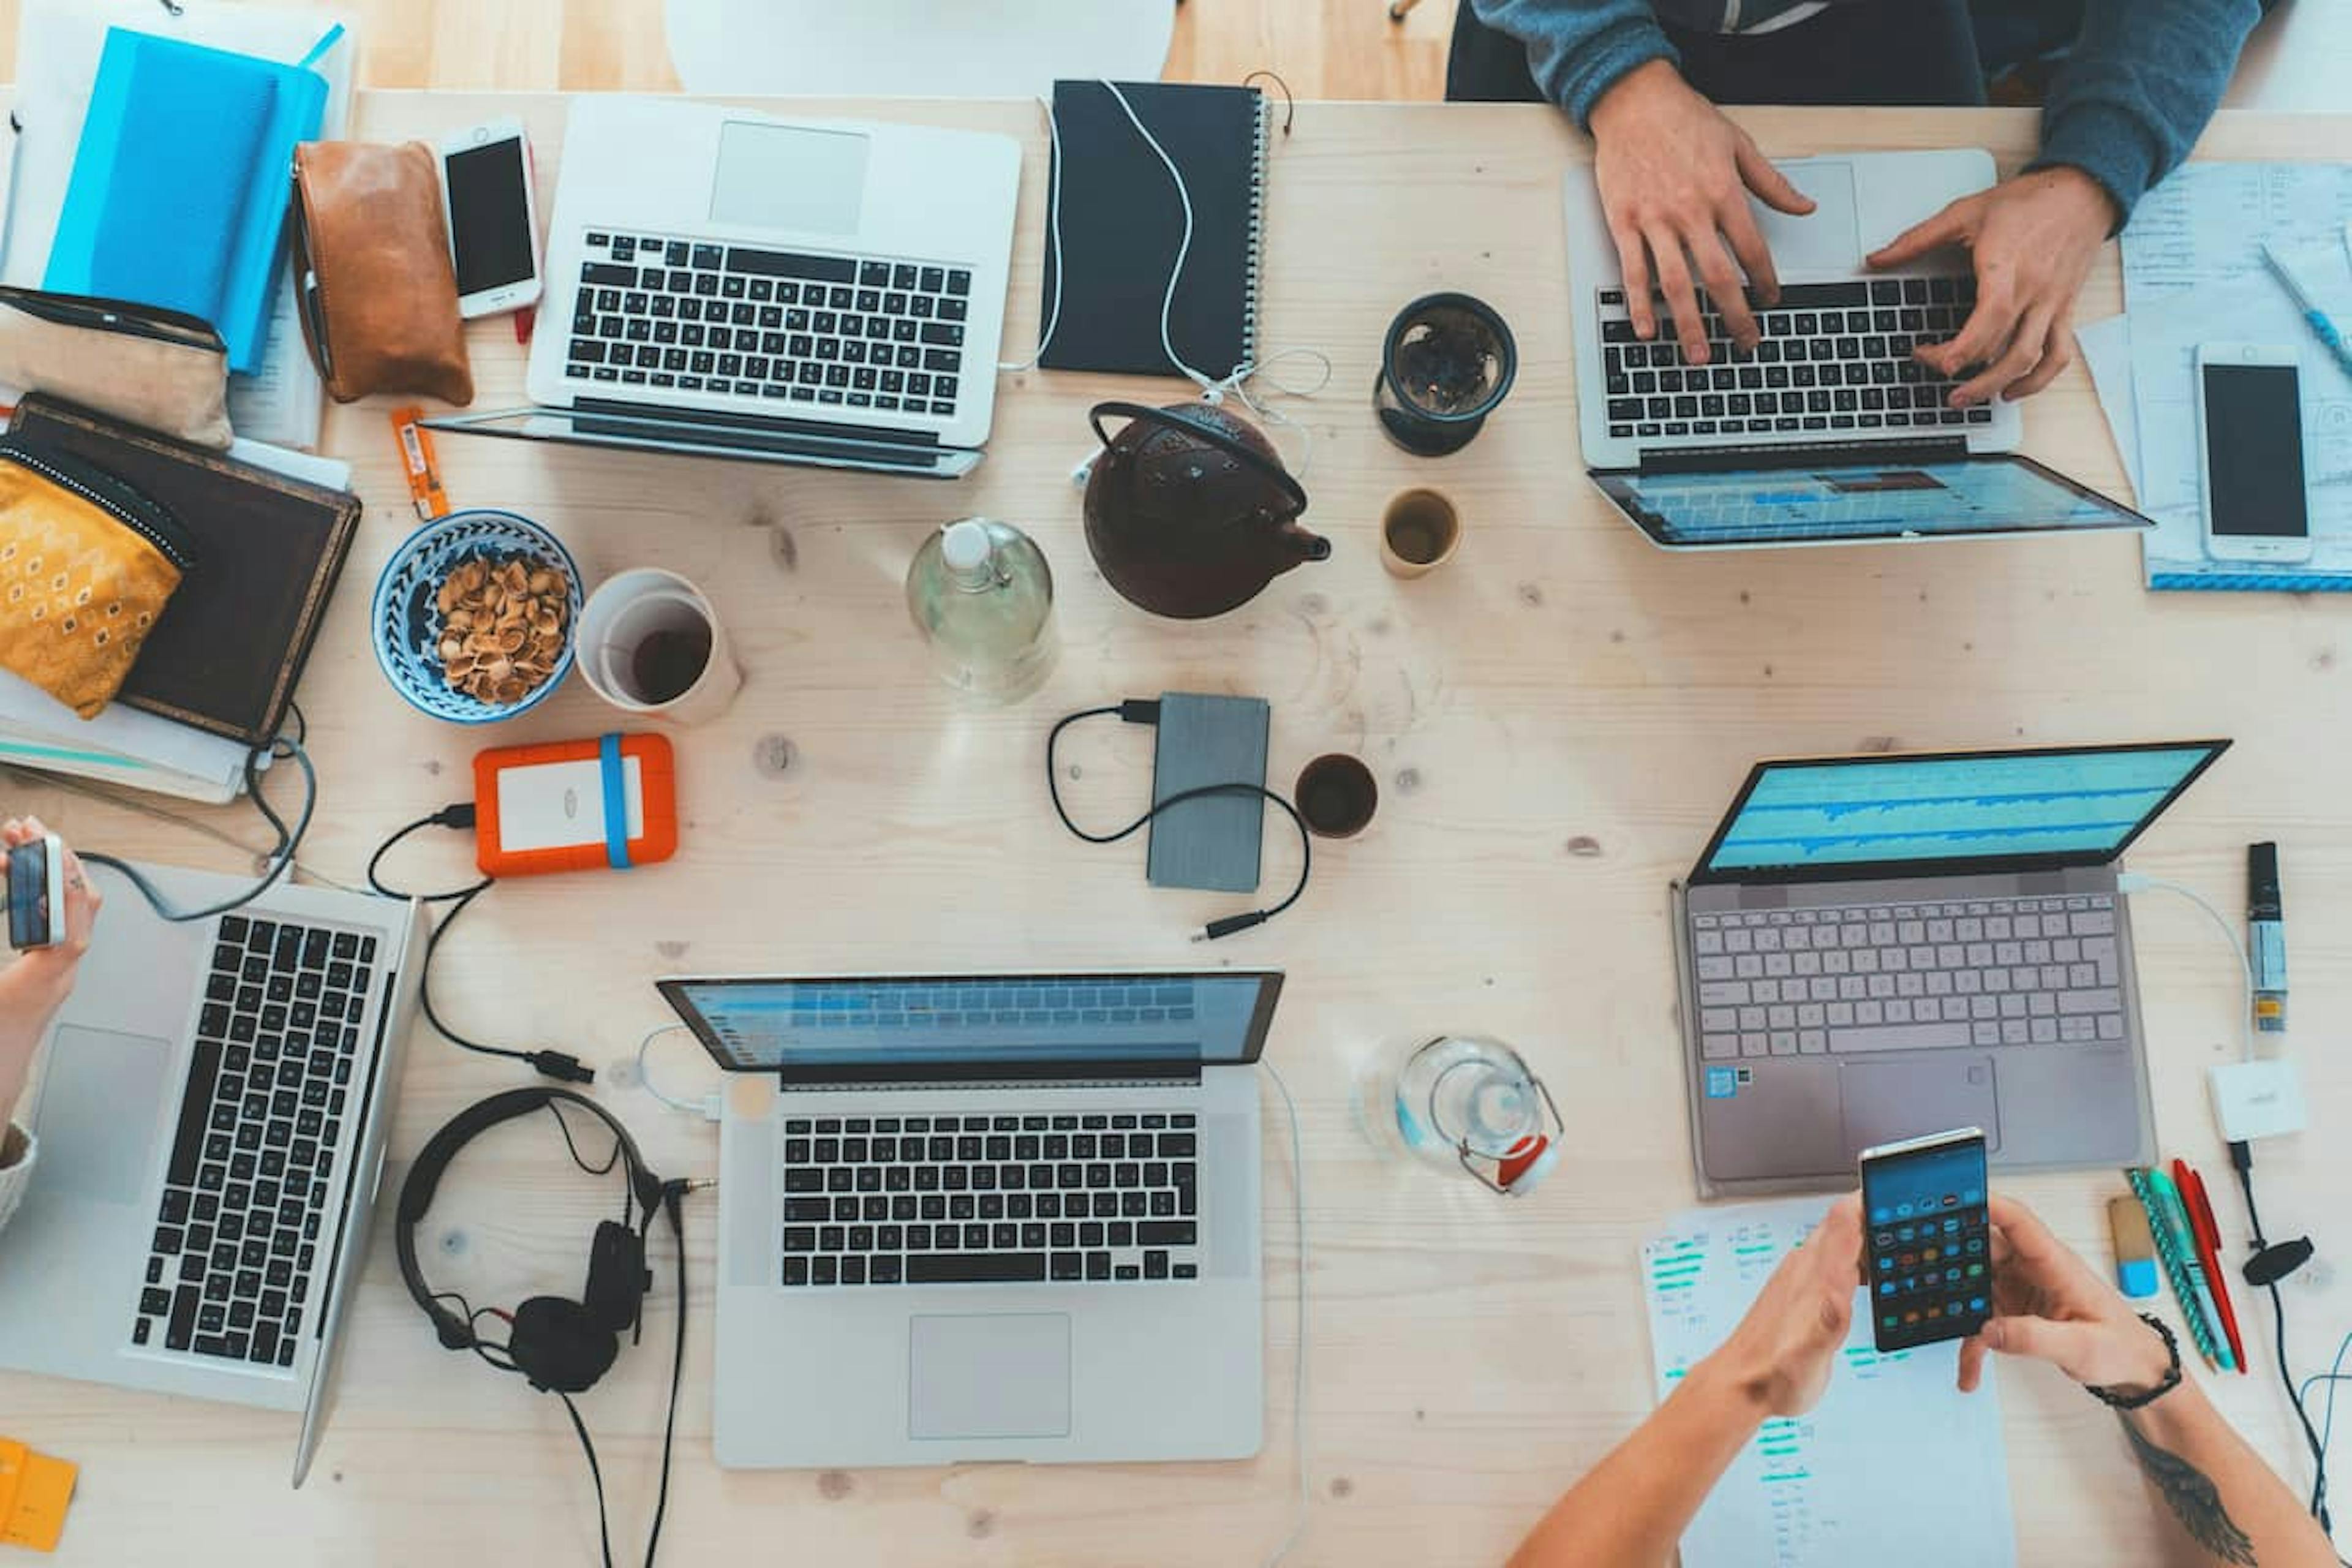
(2193, 1499)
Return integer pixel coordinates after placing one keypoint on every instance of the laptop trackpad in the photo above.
(99, 1099)
(1888, 1101)
(1002, 1376)
(1828, 240)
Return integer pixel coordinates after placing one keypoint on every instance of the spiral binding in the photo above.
(1253, 264)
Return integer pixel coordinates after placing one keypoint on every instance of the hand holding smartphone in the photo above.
(1928, 1238)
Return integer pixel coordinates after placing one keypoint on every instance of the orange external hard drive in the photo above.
(575, 806)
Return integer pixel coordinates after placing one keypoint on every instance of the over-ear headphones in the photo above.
(561, 1346)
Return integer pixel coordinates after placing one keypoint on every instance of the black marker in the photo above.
(2266, 935)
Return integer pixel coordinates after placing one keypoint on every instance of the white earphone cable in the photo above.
(1213, 391)
(1299, 1370)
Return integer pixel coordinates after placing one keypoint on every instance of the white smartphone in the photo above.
(2249, 453)
(486, 190)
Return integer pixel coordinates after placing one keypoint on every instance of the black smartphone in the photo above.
(1928, 1238)
(36, 906)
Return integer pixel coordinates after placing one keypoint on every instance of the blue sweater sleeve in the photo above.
(2142, 80)
(1578, 50)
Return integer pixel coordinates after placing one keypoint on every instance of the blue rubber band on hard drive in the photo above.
(616, 804)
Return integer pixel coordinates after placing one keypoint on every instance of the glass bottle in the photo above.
(982, 596)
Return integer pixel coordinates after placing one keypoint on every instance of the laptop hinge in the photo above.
(1834, 454)
(768, 424)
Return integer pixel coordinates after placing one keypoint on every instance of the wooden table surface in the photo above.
(1556, 720)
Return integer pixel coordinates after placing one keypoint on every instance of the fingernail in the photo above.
(1995, 1334)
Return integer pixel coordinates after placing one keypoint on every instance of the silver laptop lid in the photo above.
(1952, 812)
(1849, 495)
(592, 422)
(983, 1028)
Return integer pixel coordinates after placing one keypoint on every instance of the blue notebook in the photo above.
(181, 181)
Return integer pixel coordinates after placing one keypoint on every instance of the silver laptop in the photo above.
(730, 284)
(1875, 947)
(212, 1110)
(987, 1216)
(1828, 431)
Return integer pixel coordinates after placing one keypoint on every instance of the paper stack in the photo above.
(2193, 273)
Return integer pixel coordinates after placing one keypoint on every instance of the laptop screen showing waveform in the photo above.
(961, 1020)
(1946, 808)
(1863, 500)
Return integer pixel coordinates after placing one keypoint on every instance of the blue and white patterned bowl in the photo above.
(406, 615)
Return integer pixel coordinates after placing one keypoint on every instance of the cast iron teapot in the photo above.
(1190, 511)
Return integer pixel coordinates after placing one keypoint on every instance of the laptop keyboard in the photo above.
(953, 1200)
(1908, 976)
(1834, 357)
(269, 1089)
(784, 326)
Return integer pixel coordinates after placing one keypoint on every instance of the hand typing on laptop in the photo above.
(32, 988)
(1675, 176)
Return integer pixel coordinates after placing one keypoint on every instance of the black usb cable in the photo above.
(560, 1065)
(1146, 710)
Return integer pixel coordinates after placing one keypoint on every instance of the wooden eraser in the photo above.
(2135, 1274)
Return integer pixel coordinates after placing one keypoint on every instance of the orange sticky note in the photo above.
(34, 1492)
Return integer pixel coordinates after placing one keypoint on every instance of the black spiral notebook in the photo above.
(1122, 223)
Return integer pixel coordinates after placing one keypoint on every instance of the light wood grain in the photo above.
(1556, 719)
(1323, 49)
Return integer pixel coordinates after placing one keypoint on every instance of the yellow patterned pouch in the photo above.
(86, 564)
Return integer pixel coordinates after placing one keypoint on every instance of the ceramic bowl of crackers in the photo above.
(475, 616)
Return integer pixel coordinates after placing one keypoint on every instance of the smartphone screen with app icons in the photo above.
(1927, 1240)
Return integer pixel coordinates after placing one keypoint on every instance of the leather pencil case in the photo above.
(379, 294)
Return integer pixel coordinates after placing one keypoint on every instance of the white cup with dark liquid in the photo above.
(650, 644)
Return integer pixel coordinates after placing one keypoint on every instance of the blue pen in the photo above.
(2313, 316)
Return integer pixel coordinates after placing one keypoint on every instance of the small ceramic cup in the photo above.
(1420, 532)
(650, 644)
(1336, 796)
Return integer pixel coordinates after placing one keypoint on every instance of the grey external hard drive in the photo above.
(1214, 842)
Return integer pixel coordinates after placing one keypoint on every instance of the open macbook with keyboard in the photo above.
(731, 284)
(1828, 431)
(211, 1115)
(1876, 947)
(987, 1216)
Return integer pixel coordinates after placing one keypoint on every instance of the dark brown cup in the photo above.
(1337, 796)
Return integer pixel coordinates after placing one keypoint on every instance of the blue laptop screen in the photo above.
(1877, 501)
(751, 1025)
(1869, 810)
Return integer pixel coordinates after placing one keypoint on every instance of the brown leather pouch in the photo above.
(86, 564)
(371, 259)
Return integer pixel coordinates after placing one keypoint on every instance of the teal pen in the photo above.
(2183, 1241)
(2314, 317)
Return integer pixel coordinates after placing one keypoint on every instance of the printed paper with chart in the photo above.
(1815, 1490)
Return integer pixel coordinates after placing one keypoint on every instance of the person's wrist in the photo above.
(2145, 1360)
(1645, 84)
(1726, 1380)
(38, 980)
(2101, 215)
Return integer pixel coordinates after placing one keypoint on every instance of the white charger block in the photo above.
(2257, 1099)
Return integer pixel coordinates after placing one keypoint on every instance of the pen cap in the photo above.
(2135, 1274)
(2262, 881)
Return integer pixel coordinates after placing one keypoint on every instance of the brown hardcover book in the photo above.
(227, 651)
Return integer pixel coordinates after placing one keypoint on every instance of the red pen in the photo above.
(2209, 1251)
